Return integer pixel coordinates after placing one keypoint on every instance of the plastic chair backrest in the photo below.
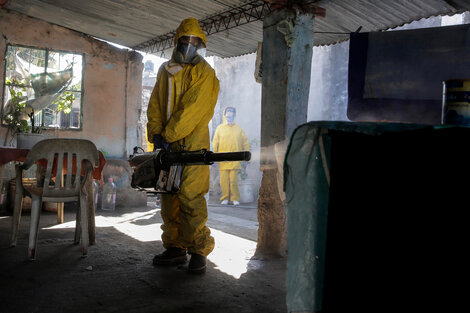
(55, 151)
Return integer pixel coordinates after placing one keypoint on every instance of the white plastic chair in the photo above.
(78, 152)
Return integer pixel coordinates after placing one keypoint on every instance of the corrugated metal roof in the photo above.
(131, 23)
(348, 16)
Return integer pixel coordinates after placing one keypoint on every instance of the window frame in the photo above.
(47, 51)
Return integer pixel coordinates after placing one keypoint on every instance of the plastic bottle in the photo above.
(96, 188)
(108, 198)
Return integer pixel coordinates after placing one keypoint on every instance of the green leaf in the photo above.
(24, 126)
(64, 102)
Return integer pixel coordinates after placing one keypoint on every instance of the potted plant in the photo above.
(13, 116)
(18, 113)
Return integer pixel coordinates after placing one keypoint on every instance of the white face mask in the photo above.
(229, 117)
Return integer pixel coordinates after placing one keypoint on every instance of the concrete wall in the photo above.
(112, 82)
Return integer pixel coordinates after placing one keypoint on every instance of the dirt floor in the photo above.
(118, 275)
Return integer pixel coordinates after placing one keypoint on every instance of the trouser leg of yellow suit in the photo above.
(234, 192)
(185, 214)
(170, 211)
(225, 184)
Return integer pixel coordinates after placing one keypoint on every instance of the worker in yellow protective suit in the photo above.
(179, 111)
(230, 137)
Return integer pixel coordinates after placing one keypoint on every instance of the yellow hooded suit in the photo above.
(229, 138)
(180, 109)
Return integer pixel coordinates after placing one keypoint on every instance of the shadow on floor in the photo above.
(118, 275)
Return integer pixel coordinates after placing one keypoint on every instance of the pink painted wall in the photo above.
(112, 81)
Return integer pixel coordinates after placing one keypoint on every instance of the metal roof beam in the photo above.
(234, 17)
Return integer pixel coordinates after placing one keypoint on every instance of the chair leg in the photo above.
(18, 207)
(91, 214)
(60, 213)
(16, 217)
(34, 226)
(84, 224)
(77, 227)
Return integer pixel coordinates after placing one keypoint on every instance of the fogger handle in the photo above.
(205, 157)
(230, 156)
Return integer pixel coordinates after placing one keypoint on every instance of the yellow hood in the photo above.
(190, 27)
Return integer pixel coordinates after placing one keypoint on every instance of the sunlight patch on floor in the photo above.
(126, 223)
(231, 254)
(70, 224)
(129, 224)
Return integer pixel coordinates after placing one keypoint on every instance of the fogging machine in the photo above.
(160, 171)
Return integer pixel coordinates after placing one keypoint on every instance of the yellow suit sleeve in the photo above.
(245, 143)
(196, 103)
(154, 114)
